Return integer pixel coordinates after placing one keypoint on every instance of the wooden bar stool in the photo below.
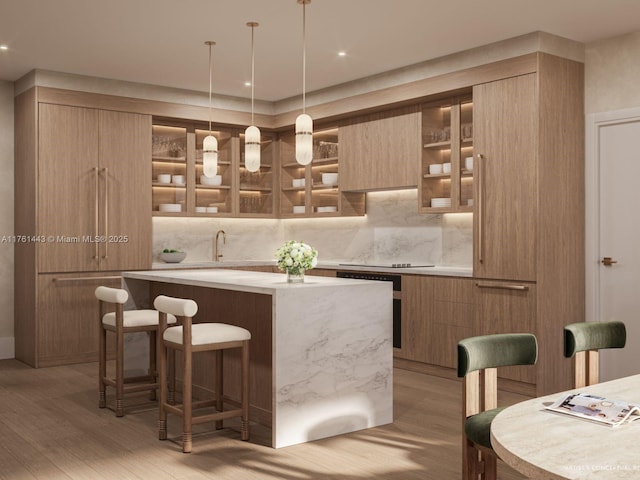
(121, 322)
(584, 340)
(200, 337)
(478, 359)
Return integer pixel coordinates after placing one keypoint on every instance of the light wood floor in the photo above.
(51, 428)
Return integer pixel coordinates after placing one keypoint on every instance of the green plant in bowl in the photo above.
(172, 255)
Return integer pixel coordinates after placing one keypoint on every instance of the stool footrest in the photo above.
(217, 416)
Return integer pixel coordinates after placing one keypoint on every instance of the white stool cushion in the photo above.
(205, 333)
(111, 295)
(136, 318)
(176, 306)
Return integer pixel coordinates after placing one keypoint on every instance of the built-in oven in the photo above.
(397, 297)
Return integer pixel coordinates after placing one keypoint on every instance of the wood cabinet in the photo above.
(381, 151)
(446, 176)
(93, 210)
(303, 191)
(507, 307)
(437, 312)
(506, 143)
(68, 333)
(529, 208)
(82, 198)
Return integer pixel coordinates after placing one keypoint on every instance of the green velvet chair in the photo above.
(584, 340)
(478, 359)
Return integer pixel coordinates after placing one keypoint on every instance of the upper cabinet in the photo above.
(316, 190)
(93, 195)
(381, 151)
(506, 146)
(446, 169)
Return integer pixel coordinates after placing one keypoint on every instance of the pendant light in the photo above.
(252, 133)
(304, 123)
(210, 143)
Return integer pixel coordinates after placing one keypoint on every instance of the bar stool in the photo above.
(584, 340)
(121, 322)
(478, 358)
(200, 337)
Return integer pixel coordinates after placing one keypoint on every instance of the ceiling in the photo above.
(161, 42)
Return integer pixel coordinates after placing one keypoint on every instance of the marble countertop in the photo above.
(238, 280)
(436, 270)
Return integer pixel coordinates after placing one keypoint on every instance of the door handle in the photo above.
(608, 261)
(480, 205)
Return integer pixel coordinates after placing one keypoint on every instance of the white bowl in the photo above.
(178, 179)
(297, 182)
(446, 167)
(215, 180)
(329, 178)
(201, 209)
(164, 178)
(212, 209)
(435, 169)
(173, 257)
(298, 209)
(170, 207)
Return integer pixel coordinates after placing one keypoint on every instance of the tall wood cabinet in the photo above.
(83, 202)
(528, 210)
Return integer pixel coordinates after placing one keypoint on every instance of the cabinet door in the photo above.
(67, 188)
(381, 152)
(67, 311)
(507, 308)
(125, 180)
(505, 142)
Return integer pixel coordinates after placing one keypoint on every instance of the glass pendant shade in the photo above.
(304, 139)
(252, 149)
(210, 156)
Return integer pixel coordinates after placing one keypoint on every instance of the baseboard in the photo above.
(7, 348)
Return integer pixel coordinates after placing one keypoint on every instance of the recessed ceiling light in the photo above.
(342, 54)
(247, 84)
(4, 47)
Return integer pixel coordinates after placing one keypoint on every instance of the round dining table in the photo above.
(543, 444)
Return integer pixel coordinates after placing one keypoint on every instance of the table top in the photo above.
(546, 445)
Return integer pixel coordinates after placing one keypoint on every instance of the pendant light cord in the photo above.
(210, 86)
(252, 73)
(304, 57)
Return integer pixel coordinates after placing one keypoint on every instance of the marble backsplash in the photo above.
(392, 231)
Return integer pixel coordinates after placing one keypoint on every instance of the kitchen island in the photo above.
(321, 351)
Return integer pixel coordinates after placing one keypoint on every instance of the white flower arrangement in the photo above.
(296, 257)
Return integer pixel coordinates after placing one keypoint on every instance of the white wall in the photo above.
(6, 220)
(612, 74)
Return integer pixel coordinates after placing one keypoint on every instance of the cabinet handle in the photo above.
(502, 286)
(480, 201)
(84, 279)
(106, 212)
(96, 225)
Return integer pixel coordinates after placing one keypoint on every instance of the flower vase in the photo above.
(295, 277)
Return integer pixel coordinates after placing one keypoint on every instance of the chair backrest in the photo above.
(583, 341)
(180, 307)
(112, 295)
(478, 359)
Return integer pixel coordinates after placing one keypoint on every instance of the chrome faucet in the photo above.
(216, 250)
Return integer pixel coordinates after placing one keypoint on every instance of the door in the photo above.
(505, 143)
(67, 188)
(125, 191)
(618, 237)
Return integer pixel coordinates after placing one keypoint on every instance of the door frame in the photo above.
(594, 122)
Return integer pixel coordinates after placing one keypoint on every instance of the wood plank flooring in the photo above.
(51, 429)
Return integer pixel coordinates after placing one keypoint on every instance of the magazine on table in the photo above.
(598, 409)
